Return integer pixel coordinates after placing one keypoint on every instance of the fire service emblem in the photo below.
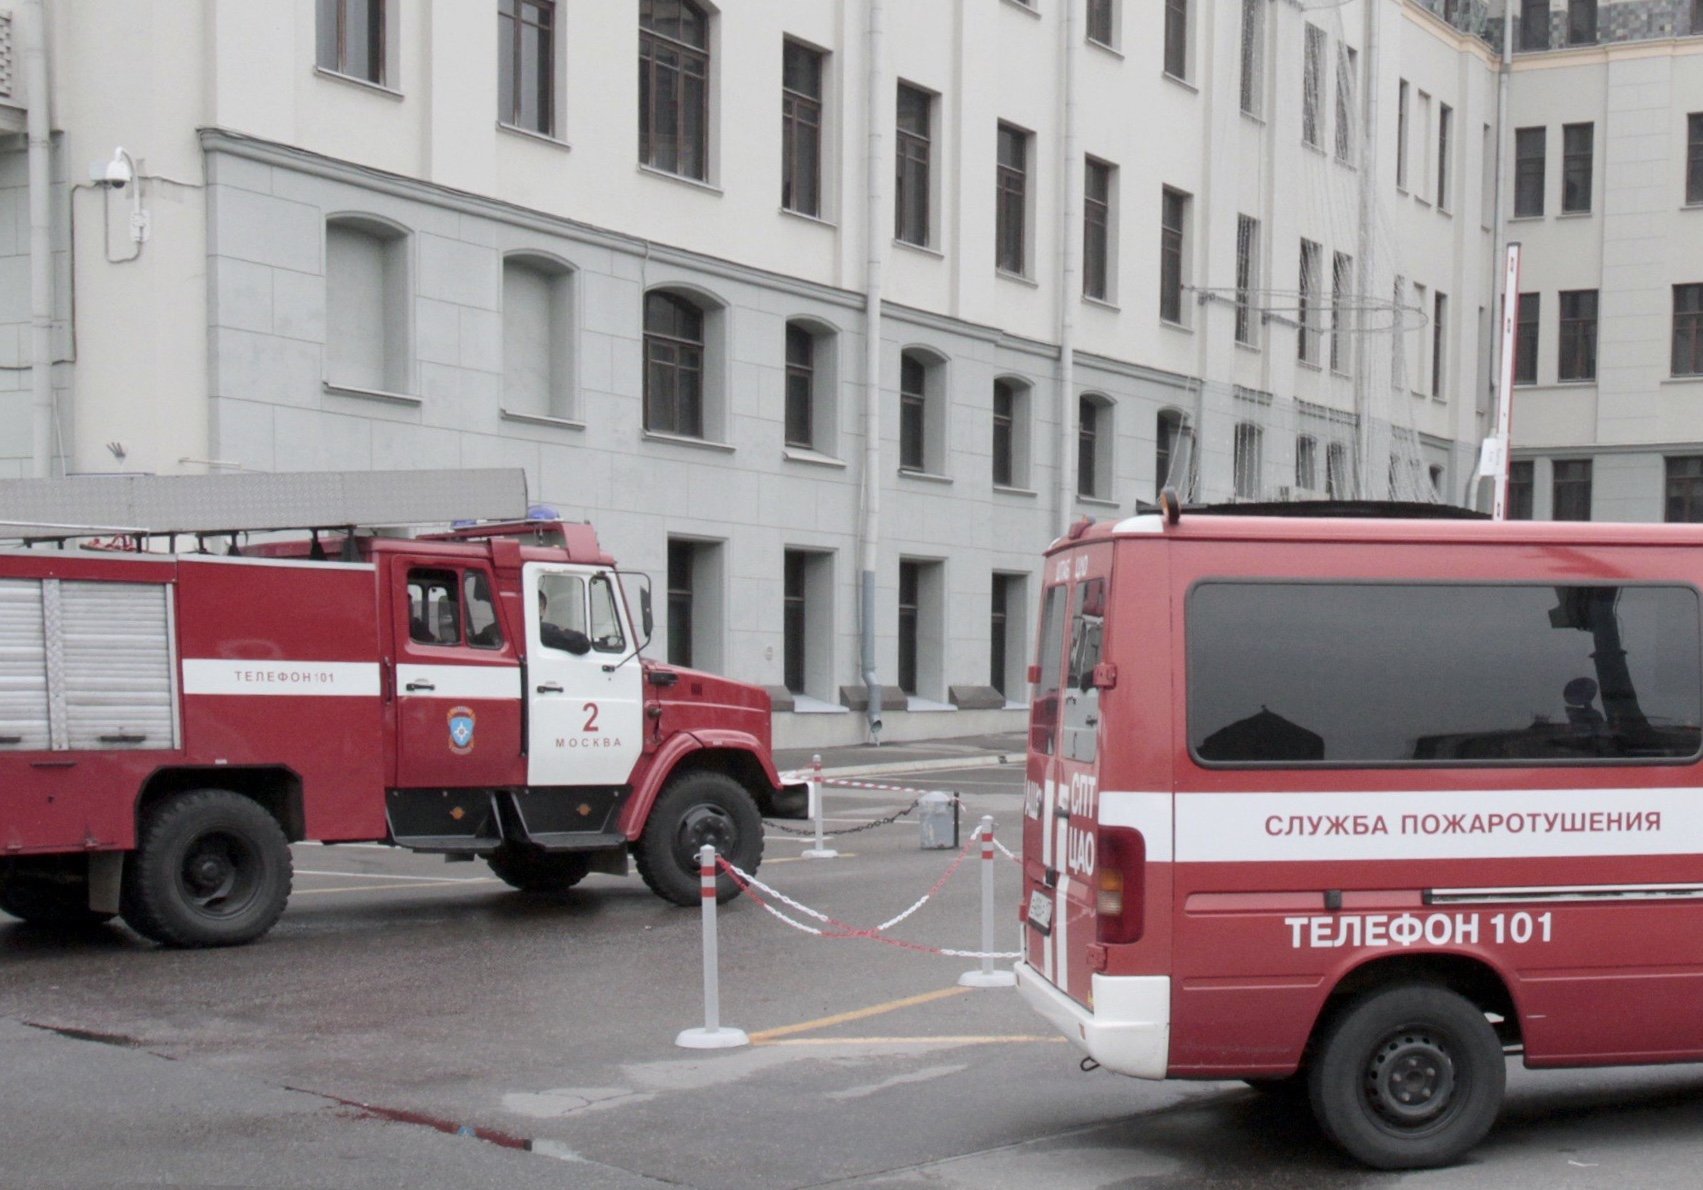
(461, 722)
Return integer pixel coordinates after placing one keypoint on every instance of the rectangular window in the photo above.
(801, 128)
(1526, 338)
(794, 639)
(1246, 463)
(1011, 200)
(526, 64)
(1004, 424)
(1581, 22)
(1346, 82)
(1688, 330)
(1528, 171)
(1174, 210)
(674, 366)
(350, 36)
(1306, 313)
(1401, 134)
(1578, 335)
(1087, 448)
(1534, 24)
(1521, 488)
(1683, 489)
(1398, 337)
(681, 555)
(1439, 343)
(1307, 463)
(1004, 614)
(800, 386)
(1312, 84)
(1463, 673)
(1102, 23)
(674, 74)
(1694, 154)
(1445, 129)
(1571, 488)
(915, 147)
(912, 413)
(1337, 481)
(1247, 278)
(1576, 141)
(1253, 56)
(1177, 38)
(1097, 229)
(1341, 281)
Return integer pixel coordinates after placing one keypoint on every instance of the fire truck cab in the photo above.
(1350, 808)
(173, 720)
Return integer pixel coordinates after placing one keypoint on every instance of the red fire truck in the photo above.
(1352, 808)
(171, 721)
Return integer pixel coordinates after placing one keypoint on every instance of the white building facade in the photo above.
(830, 316)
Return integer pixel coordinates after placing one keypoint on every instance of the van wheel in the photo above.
(42, 901)
(1410, 1077)
(523, 866)
(212, 868)
(695, 809)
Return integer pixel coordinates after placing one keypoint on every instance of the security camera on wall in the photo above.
(116, 173)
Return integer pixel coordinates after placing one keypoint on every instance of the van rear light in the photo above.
(1120, 885)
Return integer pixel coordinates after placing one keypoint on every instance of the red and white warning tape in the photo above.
(836, 929)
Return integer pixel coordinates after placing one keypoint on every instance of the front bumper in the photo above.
(1129, 1030)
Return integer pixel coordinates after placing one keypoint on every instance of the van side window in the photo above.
(1043, 716)
(434, 614)
(1087, 630)
(1304, 673)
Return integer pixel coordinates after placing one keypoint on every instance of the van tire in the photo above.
(523, 866)
(212, 868)
(694, 809)
(1409, 1077)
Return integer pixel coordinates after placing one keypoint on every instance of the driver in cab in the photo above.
(553, 636)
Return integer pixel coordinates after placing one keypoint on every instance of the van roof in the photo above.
(1228, 527)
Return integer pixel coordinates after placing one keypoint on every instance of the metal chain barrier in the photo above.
(889, 820)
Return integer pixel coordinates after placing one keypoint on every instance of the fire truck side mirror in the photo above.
(646, 620)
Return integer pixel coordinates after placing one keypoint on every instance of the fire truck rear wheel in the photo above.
(1410, 1077)
(695, 809)
(212, 868)
(532, 870)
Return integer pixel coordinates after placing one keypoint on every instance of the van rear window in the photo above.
(1302, 673)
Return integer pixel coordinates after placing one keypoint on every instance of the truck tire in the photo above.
(522, 866)
(1410, 1077)
(695, 809)
(45, 902)
(212, 868)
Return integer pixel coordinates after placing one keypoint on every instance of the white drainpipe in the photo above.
(39, 129)
(870, 541)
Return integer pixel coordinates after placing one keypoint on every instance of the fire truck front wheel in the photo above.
(1409, 1077)
(211, 868)
(695, 809)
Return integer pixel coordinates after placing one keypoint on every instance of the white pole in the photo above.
(821, 850)
(713, 1036)
(1505, 385)
(985, 976)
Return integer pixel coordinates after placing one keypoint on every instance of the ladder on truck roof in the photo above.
(210, 505)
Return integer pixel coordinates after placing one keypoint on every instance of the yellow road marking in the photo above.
(310, 892)
(859, 1014)
(941, 1040)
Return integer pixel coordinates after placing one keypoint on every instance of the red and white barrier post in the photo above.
(985, 976)
(714, 1035)
(821, 850)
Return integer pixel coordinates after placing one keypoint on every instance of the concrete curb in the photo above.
(915, 766)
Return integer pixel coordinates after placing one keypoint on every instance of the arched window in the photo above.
(1010, 432)
(538, 337)
(674, 365)
(1094, 446)
(811, 381)
(922, 412)
(1167, 438)
(1249, 482)
(367, 292)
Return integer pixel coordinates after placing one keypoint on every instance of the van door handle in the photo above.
(550, 688)
(420, 684)
(1091, 721)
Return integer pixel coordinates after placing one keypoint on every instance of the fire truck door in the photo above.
(584, 685)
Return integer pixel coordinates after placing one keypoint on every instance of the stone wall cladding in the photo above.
(1617, 21)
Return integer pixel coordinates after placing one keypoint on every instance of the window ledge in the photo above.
(1006, 490)
(371, 394)
(687, 440)
(1181, 82)
(924, 249)
(1169, 325)
(1104, 48)
(1348, 163)
(1308, 364)
(532, 134)
(1025, 7)
(798, 454)
(1525, 218)
(1019, 278)
(1096, 501)
(682, 179)
(1697, 379)
(337, 76)
(1591, 383)
(1254, 348)
(1312, 148)
(818, 220)
(1574, 214)
(925, 476)
(1422, 200)
(1103, 303)
(1691, 206)
(1445, 212)
(541, 419)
